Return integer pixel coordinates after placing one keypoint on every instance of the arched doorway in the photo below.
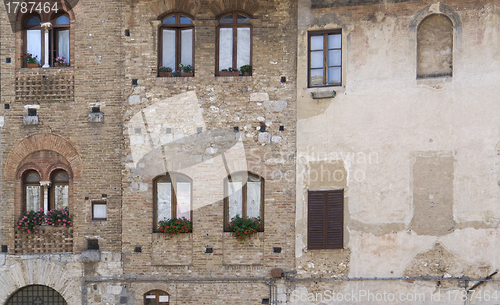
(36, 295)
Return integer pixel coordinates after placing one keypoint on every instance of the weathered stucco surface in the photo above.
(429, 194)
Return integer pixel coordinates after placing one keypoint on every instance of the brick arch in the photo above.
(162, 7)
(38, 142)
(53, 274)
(219, 7)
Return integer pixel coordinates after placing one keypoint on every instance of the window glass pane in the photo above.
(168, 50)
(334, 41)
(34, 43)
(61, 177)
(187, 47)
(334, 75)
(62, 20)
(253, 198)
(243, 45)
(225, 48)
(60, 196)
(164, 201)
(185, 20)
(33, 21)
(316, 42)
(169, 20)
(100, 211)
(317, 59)
(316, 77)
(163, 300)
(32, 177)
(227, 19)
(32, 198)
(183, 193)
(63, 44)
(235, 198)
(243, 19)
(334, 57)
(150, 300)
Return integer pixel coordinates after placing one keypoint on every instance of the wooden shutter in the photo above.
(325, 219)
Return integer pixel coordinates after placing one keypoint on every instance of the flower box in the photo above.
(61, 64)
(184, 74)
(32, 65)
(229, 73)
(247, 73)
(165, 74)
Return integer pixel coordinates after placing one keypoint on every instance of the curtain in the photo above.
(168, 49)
(225, 48)
(34, 43)
(243, 52)
(63, 44)
(187, 47)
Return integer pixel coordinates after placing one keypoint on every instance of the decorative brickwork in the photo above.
(48, 240)
(45, 85)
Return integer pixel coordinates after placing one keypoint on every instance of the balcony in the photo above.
(48, 240)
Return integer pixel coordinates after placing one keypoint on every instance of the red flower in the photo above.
(239, 236)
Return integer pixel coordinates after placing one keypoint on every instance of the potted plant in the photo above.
(60, 61)
(229, 72)
(177, 73)
(187, 71)
(30, 222)
(176, 225)
(165, 71)
(244, 227)
(59, 218)
(30, 60)
(246, 70)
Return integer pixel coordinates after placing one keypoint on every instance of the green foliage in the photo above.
(246, 68)
(28, 58)
(244, 227)
(30, 221)
(165, 69)
(186, 69)
(176, 225)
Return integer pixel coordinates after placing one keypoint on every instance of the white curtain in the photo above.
(235, 199)
(164, 210)
(253, 199)
(100, 211)
(225, 48)
(168, 49)
(32, 198)
(34, 43)
(60, 196)
(243, 47)
(187, 47)
(63, 44)
(183, 193)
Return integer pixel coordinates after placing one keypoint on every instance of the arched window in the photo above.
(244, 196)
(36, 294)
(33, 37)
(156, 297)
(234, 45)
(176, 41)
(32, 191)
(58, 47)
(59, 190)
(172, 196)
(60, 43)
(435, 47)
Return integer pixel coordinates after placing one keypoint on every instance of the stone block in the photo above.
(90, 256)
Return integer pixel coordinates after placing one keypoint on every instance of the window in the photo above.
(325, 218)
(59, 37)
(36, 294)
(176, 41)
(325, 58)
(435, 47)
(56, 191)
(156, 297)
(234, 42)
(172, 194)
(244, 196)
(99, 210)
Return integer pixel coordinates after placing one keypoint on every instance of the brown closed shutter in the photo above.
(325, 219)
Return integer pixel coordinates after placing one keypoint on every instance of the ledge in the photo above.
(323, 94)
